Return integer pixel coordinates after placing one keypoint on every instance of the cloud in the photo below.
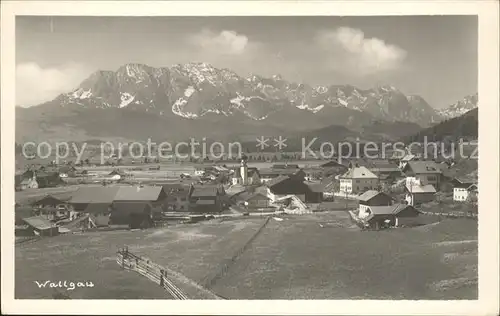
(225, 42)
(351, 52)
(35, 85)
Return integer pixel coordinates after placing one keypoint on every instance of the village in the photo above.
(377, 193)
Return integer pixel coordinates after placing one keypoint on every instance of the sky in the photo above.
(432, 56)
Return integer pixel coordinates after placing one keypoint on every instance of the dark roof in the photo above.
(385, 168)
(205, 190)
(138, 193)
(97, 208)
(130, 207)
(49, 199)
(245, 196)
(39, 222)
(94, 195)
(425, 167)
(388, 210)
(264, 172)
(467, 179)
(316, 187)
(276, 180)
(370, 194)
(331, 163)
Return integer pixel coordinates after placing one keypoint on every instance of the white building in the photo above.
(358, 179)
(418, 194)
(425, 172)
(199, 172)
(464, 188)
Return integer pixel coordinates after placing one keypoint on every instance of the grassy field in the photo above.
(296, 259)
(195, 251)
(320, 256)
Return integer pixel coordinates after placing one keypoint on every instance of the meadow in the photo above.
(317, 256)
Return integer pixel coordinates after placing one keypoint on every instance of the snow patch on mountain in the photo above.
(308, 108)
(126, 99)
(81, 94)
(179, 104)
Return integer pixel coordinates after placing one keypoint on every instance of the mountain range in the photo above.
(198, 100)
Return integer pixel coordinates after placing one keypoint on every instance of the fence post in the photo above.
(161, 278)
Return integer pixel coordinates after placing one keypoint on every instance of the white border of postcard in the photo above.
(487, 10)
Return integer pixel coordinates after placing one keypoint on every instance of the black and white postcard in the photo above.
(257, 157)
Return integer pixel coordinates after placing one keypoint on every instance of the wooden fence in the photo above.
(27, 240)
(210, 281)
(468, 215)
(150, 270)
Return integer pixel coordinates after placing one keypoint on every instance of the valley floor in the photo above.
(317, 256)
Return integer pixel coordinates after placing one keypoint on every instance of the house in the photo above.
(424, 172)
(44, 179)
(41, 226)
(26, 180)
(92, 195)
(206, 198)
(465, 189)
(390, 216)
(177, 201)
(418, 194)
(269, 174)
(133, 214)
(51, 201)
(358, 179)
(406, 158)
(151, 194)
(333, 168)
(99, 214)
(67, 171)
(313, 174)
(172, 187)
(291, 185)
(385, 170)
(51, 213)
(199, 172)
(372, 198)
(29, 183)
(315, 194)
(252, 200)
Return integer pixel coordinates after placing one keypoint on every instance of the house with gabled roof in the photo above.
(372, 198)
(206, 198)
(133, 214)
(269, 174)
(418, 194)
(358, 179)
(41, 226)
(151, 194)
(465, 188)
(293, 185)
(378, 217)
(252, 200)
(92, 195)
(424, 172)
